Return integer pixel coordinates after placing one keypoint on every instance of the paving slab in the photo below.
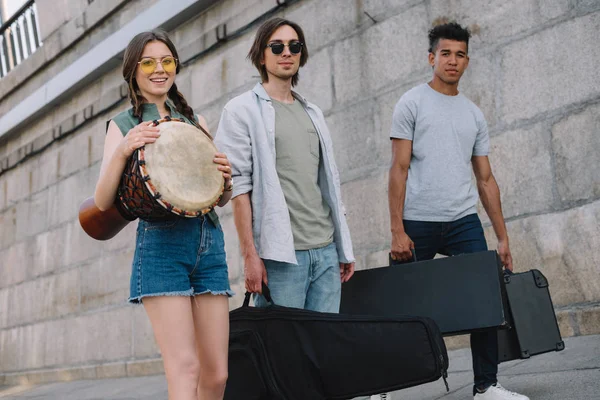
(572, 374)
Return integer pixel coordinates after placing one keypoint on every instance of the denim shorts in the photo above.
(179, 257)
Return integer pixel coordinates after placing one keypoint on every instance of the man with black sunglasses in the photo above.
(286, 190)
(439, 137)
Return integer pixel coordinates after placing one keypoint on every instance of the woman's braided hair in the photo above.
(133, 54)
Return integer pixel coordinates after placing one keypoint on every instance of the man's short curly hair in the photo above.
(451, 31)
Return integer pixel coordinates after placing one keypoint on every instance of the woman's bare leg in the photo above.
(173, 325)
(211, 319)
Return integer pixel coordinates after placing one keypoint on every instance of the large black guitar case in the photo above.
(462, 294)
(280, 353)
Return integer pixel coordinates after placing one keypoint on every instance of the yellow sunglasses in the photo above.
(148, 65)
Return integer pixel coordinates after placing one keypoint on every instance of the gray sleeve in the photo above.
(233, 139)
(482, 141)
(403, 120)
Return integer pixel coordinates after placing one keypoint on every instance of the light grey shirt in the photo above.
(246, 134)
(298, 156)
(446, 131)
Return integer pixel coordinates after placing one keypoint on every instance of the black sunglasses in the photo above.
(277, 48)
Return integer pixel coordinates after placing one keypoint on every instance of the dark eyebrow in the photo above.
(168, 55)
(459, 52)
(281, 41)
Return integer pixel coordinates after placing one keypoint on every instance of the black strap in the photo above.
(246, 302)
(265, 292)
(204, 130)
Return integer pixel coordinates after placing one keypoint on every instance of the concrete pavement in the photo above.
(573, 374)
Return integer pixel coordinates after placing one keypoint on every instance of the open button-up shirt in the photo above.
(246, 134)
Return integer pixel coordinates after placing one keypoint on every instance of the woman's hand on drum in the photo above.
(138, 136)
(223, 165)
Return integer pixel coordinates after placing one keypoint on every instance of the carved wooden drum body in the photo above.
(174, 175)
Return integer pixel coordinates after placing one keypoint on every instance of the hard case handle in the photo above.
(399, 262)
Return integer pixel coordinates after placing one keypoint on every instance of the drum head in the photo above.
(181, 168)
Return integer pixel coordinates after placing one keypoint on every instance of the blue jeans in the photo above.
(313, 284)
(453, 238)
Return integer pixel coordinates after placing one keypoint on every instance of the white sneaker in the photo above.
(497, 392)
(382, 396)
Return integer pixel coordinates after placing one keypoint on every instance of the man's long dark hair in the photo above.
(451, 31)
(256, 53)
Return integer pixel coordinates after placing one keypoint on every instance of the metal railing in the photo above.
(19, 37)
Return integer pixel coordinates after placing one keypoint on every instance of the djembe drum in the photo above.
(170, 178)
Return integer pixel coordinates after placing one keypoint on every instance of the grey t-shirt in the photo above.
(446, 132)
(298, 154)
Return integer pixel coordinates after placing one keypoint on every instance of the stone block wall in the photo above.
(63, 311)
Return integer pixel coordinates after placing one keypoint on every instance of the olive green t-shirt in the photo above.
(298, 156)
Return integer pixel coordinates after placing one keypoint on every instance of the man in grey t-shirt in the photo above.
(438, 137)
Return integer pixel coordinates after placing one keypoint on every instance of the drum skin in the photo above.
(181, 168)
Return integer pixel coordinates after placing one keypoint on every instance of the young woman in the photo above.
(179, 271)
